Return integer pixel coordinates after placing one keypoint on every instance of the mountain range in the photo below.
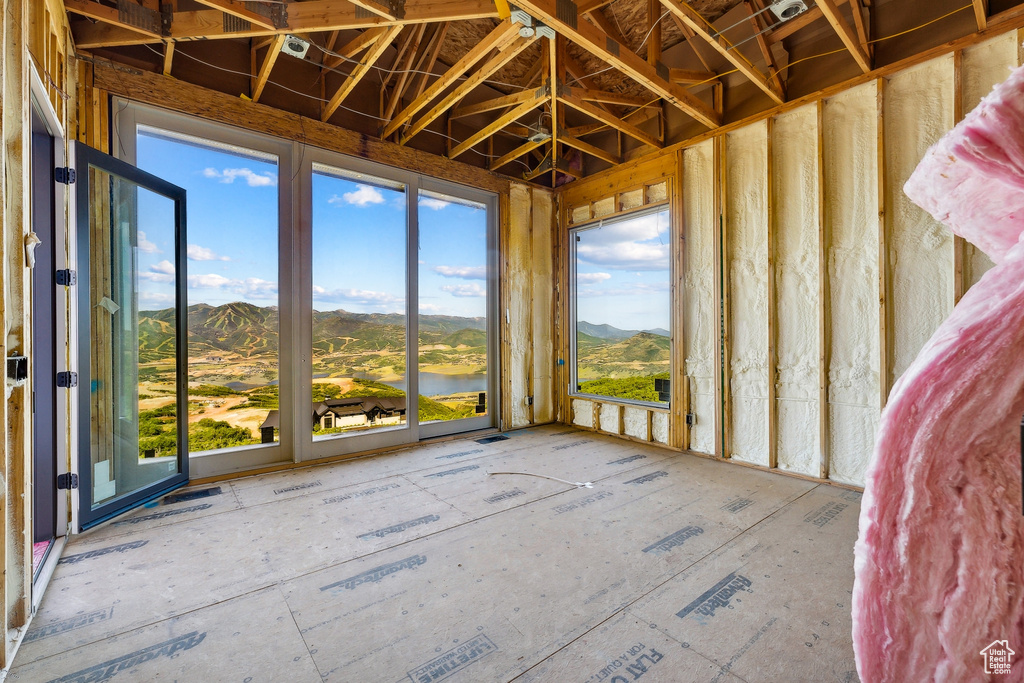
(610, 332)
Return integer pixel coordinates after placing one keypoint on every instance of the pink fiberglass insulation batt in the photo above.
(973, 179)
(939, 561)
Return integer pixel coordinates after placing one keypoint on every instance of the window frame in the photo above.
(598, 222)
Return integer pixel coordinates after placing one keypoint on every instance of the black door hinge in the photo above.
(67, 380)
(65, 175)
(67, 277)
(67, 481)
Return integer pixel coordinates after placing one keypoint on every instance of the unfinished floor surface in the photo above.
(421, 565)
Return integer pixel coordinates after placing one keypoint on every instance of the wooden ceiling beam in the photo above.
(636, 118)
(360, 70)
(653, 32)
(489, 67)
(426, 63)
(505, 33)
(238, 9)
(497, 103)
(981, 14)
(311, 16)
(834, 17)
(609, 120)
(111, 18)
(699, 26)
(599, 20)
(352, 47)
(592, 150)
(496, 125)
(588, 95)
(762, 44)
(519, 151)
(273, 52)
(692, 76)
(401, 53)
(377, 8)
(405, 77)
(591, 39)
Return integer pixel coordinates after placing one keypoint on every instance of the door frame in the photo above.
(86, 156)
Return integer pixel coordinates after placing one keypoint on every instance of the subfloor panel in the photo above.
(433, 564)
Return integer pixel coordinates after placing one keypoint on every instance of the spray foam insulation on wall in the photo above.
(795, 203)
(518, 276)
(983, 67)
(699, 309)
(851, 215)
(542, 270)
(746, 224)
(918, 111)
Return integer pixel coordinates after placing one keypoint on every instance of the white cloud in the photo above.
(248, 288)
(469, 290)
(363, 297)
(463, 272)
(363, 195)
(156, 277)
(633, 289)
(147, 247)
(156, 298)
(432, 203)
(228, 175)
(198, 253)
(592, 278)
(636, 244)
(165, 267)
(429, 308)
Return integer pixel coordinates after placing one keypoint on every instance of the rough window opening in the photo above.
(622, 309)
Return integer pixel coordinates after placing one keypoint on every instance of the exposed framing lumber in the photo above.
(608, 97)
(377, 8)
(773, 318)
(885, 341)
(496, 125)
(609, 120)
(597, 43)
(691, 40)
(556, 48)
(168, 58)
(359, 71)
(401, 51)
(588, 148)
(766, 50)
(404, 76)
(352, 47)
(599, 20)
(429, 59)
(525, 148)
(273, 52)
(846, 34)
(981, 14)
(698, 25)
(489, 67)
(959, 243)
(824, 302)
(503, 102)
(238, 9)
(312, 16)
(723, 448)
(692, 76)
(863, 26)
(498, 38)
(654, 32)
(109, 16)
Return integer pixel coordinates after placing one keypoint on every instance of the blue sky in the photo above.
(358, 238)
(622, 273)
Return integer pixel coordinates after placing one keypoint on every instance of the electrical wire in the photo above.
(578, 484)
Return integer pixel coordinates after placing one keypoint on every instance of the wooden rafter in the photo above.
(588, 95)
(691, 40)
(501, 36)
(495, 125)
(692, 76)
(404, 43)
(587, 148)
(353, 47)
(404, 77)
(834, 17)
(311, 16)
(360, 70)
(699, 26)
(609, 120)
(981, 13)
(636, 118)
(790, 27)
(519, 151)
(377, 8)
(238, 9)
(556, 50)
(489, 67)
(653, 32)
(863, 26)
(766, 50)
(426, 64)
(598, 44)
(110, 17)
(268, 64)
(496, 103)
(601, 21)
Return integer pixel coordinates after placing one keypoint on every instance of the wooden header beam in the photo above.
(697, 24)
(590, 38)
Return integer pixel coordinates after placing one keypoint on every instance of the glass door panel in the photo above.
(127, 454)
(360, 329)
(453, 306)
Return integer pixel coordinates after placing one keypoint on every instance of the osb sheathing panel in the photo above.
(795, 201)
(984, 66)
(851, 198)
(545, 581)
(746, 224)
(699, 308)
(918, 111)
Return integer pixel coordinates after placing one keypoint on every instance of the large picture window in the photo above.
(622, 306)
